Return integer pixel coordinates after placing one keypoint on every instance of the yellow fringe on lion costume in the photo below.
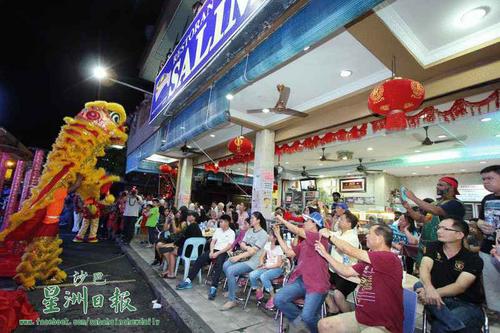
(70, 165)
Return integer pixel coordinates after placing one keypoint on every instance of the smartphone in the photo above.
(402, 192)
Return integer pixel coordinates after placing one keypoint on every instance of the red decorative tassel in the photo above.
(395, 121)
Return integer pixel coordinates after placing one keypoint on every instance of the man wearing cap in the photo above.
(446, 205)
(310, 280)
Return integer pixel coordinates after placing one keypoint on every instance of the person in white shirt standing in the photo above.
(343, 287)
(222, 241)
(133, 204)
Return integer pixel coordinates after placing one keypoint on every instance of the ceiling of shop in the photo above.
(429, 43)
(434, 30)
(401, 153)
(314, 79)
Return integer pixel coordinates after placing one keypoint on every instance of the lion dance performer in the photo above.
(70, 166)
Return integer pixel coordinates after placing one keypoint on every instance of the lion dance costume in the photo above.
(72, 160)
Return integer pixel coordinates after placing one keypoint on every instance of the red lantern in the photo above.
(210, 167)
(393, 98)
(165, 168)
(240, 145)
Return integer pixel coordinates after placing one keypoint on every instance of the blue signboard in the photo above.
(210, 31)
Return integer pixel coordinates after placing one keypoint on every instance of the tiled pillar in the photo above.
(184, 180)
(263, 173)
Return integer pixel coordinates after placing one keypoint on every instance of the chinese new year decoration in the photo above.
(240, 146)
(429, 115)
(393, 98)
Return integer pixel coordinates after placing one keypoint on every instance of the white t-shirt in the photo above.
(272, 255)
(132, 206)
(223, 238)
(351, 237)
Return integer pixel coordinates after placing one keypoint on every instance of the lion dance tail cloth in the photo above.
(74, 155)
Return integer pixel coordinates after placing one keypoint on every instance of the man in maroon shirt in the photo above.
(310, 280)
(379, 301)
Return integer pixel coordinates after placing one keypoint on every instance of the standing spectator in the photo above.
(489, 223)
(405, 233)
(220, 244)
(450, 284)
(152, 222)
(340, 209)
(77, 212)
(310, 279)
(133, 205)
(245, 262)
(446, 205)
(379, 301)
(343, 287)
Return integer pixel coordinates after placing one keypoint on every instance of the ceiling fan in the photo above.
(306, 174)
(363, 169)
(189, 150)
(428, 142)
(280, 107)
(324, 159)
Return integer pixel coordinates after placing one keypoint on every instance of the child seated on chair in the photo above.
(269, 268)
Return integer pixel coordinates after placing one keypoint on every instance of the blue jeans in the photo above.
(266, 276)
(312, 303)
(454, 316)
(232, 272)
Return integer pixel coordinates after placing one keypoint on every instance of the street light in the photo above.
(100, 73)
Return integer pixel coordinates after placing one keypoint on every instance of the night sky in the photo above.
(48, 50)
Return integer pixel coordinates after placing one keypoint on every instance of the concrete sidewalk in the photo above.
(201, 315)
(193, 307)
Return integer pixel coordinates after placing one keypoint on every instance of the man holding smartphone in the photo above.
(489, 223)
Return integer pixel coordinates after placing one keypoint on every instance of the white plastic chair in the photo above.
(196, 243)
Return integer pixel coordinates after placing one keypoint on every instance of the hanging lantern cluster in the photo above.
(168, 170)
(393, 98)
(240, 146)
(211, 167)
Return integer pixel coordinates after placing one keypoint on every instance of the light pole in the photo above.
(100, 73)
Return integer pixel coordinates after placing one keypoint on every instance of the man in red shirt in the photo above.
(310, 280)
(379, 301)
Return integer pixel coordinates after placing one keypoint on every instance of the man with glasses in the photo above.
(446, 205)
(221, 242)
(450, 284)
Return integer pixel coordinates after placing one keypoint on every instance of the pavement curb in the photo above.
(180, 311)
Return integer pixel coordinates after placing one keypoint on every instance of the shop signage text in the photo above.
(210, 31)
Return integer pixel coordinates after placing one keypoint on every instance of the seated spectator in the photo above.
(450, 284)
(310, 279)
(212, 223)
(192, 230)
(252, 247)
(241, 235)
(343, 287)
(221, 243)
(379, 301)
(269, 268)
(473, 241)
